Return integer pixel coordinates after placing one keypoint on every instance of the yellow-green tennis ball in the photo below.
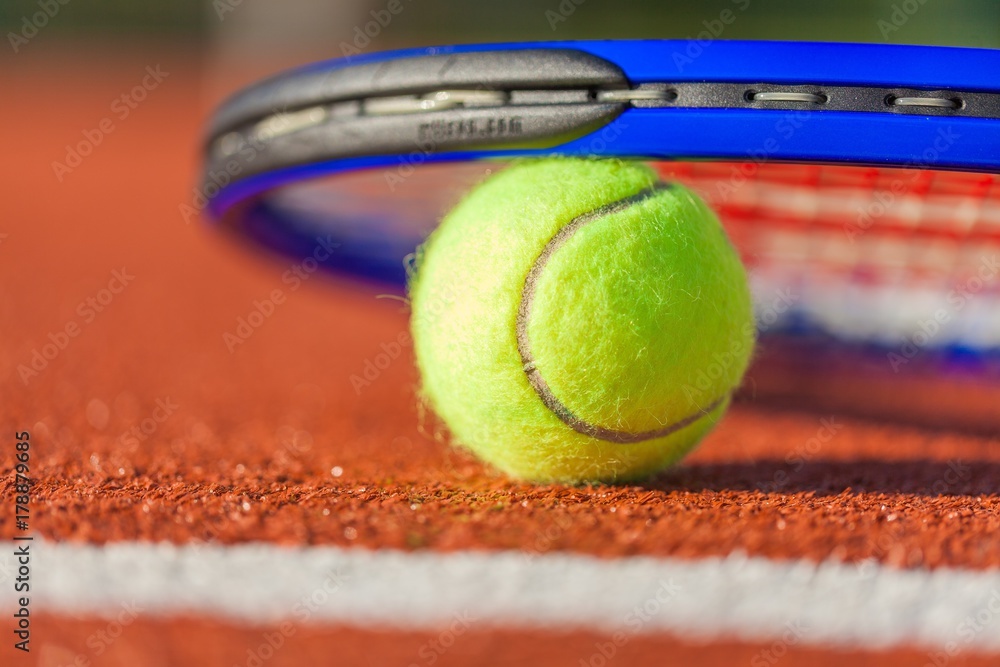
(575, 320)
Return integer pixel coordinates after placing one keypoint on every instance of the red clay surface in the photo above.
(865, 498)
(199, 641)
(272, 442)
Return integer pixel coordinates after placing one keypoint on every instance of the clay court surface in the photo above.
(271, 447)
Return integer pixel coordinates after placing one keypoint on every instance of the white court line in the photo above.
(749, 598)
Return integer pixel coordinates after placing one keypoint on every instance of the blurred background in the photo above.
(227, 44)
(314, 28)
(237, 37)
(75, 64)
(105, 104)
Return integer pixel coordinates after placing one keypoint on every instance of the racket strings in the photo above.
(871, 255)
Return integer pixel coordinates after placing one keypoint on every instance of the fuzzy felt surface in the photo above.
(640, 320)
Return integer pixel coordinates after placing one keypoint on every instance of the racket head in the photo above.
(868, 228)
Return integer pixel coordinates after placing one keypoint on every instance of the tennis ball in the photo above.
(575, 320)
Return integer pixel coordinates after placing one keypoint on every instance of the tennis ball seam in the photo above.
(535, 379)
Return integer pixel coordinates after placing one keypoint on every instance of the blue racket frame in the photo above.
(942, 139)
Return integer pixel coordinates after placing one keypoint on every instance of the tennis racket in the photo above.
(858, 182)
